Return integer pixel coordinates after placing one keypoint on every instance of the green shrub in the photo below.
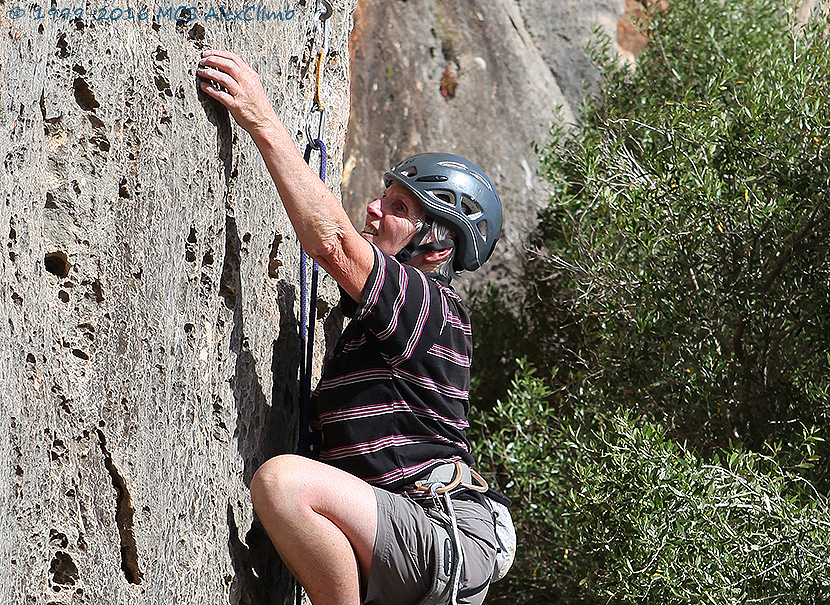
(690, 228)
(519, 444)
(497, 344)
(679, 277)
(682, 267)
(661, 525)
(612, 511)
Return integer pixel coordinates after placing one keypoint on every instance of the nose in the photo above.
(374, 207)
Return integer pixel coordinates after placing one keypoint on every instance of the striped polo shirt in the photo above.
(393, 400)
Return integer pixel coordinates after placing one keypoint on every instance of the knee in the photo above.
(276, 481)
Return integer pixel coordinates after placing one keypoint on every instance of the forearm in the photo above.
(316, 214)
(322, 226)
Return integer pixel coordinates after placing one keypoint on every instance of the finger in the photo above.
(221, 70)
(211, 80)
(219, 77)
(238, 69)
(223, 97)
(237, 59)
(229, 74)
(217, 52)
(225, 64)
(224, 54)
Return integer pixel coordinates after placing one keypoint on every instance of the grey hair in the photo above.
(437, 232)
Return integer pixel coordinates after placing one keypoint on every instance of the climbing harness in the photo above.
(449, 476)
(308, 300)
(440, 483)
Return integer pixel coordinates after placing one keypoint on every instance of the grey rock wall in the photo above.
(481, 78)
(148, 303)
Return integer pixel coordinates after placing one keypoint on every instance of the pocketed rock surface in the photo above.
(148, 301)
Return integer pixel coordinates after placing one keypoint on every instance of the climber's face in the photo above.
(393, 219)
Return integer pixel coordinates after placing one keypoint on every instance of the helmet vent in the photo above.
(454, 165)
(410, 172)
(470, 207)
(482, 228)
(445, 197)
(432, 178)
(484, 181)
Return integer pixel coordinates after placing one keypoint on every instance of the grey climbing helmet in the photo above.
(457, 193)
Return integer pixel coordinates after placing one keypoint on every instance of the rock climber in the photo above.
(391, 407)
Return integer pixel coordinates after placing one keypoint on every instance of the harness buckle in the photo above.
(447, 477)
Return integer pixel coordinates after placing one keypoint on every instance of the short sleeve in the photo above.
(402, 308)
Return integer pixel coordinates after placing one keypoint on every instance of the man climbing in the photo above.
(391, 407)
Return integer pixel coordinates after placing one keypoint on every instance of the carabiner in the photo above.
(325, 12)
(321, 125)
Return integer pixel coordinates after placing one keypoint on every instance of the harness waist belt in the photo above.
(451, 475)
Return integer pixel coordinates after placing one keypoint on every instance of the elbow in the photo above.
(348, 260)
(329, 251)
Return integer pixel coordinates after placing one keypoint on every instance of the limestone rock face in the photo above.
(148, 300)
(480, 78)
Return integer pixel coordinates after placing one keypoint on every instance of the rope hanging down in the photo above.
(308, 313)
(308, 300)
(308, 316)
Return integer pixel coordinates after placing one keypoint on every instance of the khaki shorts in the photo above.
(403, 561)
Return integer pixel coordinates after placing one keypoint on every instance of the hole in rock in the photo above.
(57, 263)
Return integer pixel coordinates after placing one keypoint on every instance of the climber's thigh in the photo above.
(293, 487)
(403, 562)
(400, 571)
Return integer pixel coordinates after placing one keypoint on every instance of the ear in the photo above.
(436, 256)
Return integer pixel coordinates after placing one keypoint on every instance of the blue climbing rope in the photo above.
(308, 316)
(308, 313)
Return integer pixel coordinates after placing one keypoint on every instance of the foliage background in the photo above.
(676, 295)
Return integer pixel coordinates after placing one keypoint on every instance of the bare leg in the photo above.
(322, 522)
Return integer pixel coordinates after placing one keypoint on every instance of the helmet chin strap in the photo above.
(414, 247)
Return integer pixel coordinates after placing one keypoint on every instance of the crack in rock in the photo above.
(123, 517)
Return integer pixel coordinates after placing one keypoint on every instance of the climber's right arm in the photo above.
(321, 223)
